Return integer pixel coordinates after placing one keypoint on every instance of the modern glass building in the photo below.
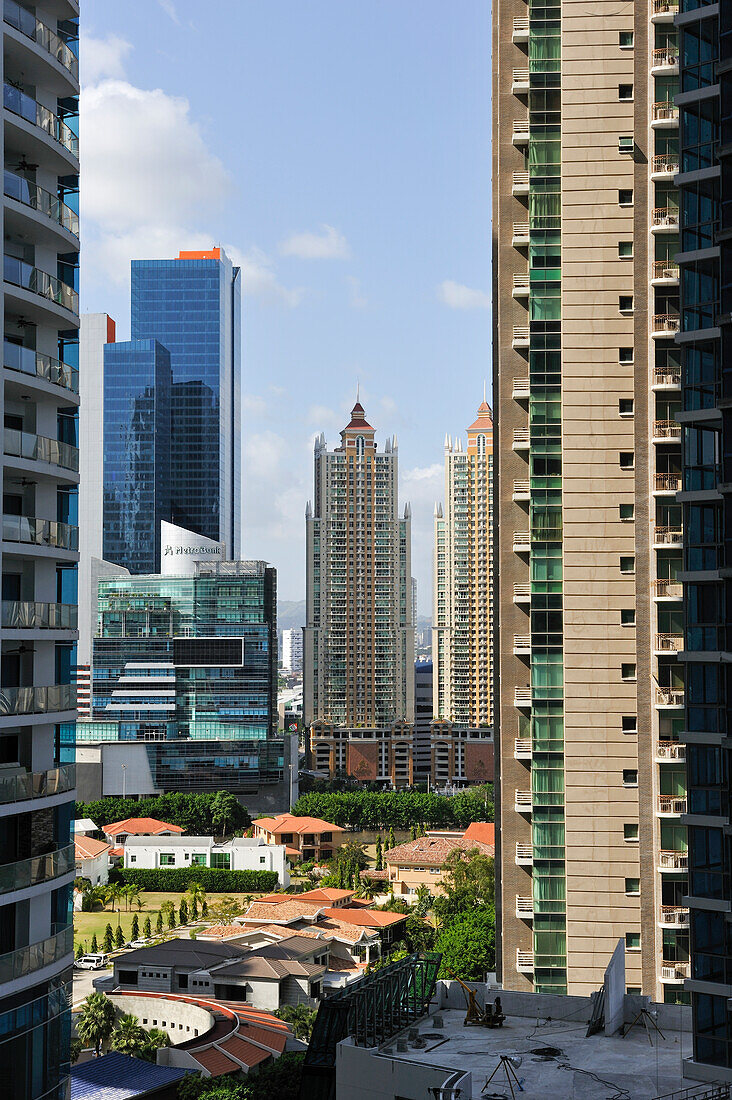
(705, 260)
(38, 551)
(137, 452)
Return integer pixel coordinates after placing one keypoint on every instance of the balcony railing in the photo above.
(521, 592)
(24, 105)
(673, 861)
(520, 438)
(520, 29)
(669, 697)
(520, 336)
(666, 589)
(30, 194)
(671, 805)
(666, 271)
(520, 132)
(521, 490)
(524, 961)
(521, 285)
(668, 536)
(665, 111)
(667, 376)
(665, 162)
(30, 872)
(24, 615)
(521, 389)
(665, 217)
(27, 785)
(40, 448)
(668, 483)
(520, 233)
(522, 748)
(666, 429)
(524, 908)
(26, 22)
(665, 7)
(520, 182)
(520, 81)
(524, 855)
(523, 801)
(29, 361)
(35, 956)
(669, 643)
(521, 542)
(670, 750)
(40, 282)
(665, 323)
(37, 700)
(522, 644)
(665, 58)
(676, 915)
(40, 532)
(674, 971)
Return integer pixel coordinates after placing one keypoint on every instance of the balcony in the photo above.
(520, 237)
(522, 645)
(520, 133)
(665, 431)
(666, 484)
(521, 287)
(669, 643)
(669, 697)
(521, 390)
(39, 282)
(22, 615)
(31, 362)
(521, 542)
(664, 165)
(522, 802)
(672, 861)
(665, 62)
(36, 956)
(524, 961)
(664, 11)
(668, 536)
(670, 805)
(665, 273)
(40, 448)
(40, 532)
(37, 700)
(27, 785)
(520, 34)
(674, 971)
(520, 439)
(18, 103)
(670, 750)
(665, 219)
(666, 378)
(664, 116)
(524, 908)
(522, 697)
(674, 916)
(520, 183)
(36, 198)
(25, 22)
(522, 593)
(521, 491)
(522, 748)
(520, 337)
(666, 589)
(664, 325)
(38, 869)
(520, 81)
(524, 855)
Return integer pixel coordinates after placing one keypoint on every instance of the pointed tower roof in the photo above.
(484, 423)
(358, 419)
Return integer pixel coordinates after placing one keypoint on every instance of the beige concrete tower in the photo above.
(587, 533)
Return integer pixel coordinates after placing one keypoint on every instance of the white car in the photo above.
(138, 943)
(91, 962)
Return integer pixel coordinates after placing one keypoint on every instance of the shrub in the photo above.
(175, 880)
(197, 814)
(397, 809)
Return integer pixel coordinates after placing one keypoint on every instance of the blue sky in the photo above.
(340, 151)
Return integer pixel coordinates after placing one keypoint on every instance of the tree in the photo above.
(424, 901)
(204, 908)
(171, 917)
(76, 1048)
(191, 811)
(194, 909)
(94, 945)
(129, 1036)
(95, 1021)
(414, 832)
(183, 912)
(79, 951)
(468, 882)
(467, 945)
(300, 1018)
(379, 854)
(135, 932)
(223, 812)
(108, 942)
(147, 928)
(155, 1038)
(159, 923)
(225, 910)
(419, 933)
(119, 936)
(391, 843)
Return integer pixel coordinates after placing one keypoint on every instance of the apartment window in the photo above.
(625, 355)
(630, 831)
(167, 860)
(625, 40)
(625, 303)
(630, 723)
(626, 460)
(625, 91)
(627, 563)
(625, 406)
(626, 143)
(133, 859)
(625, 250)
(627, 616)
(627, 512)
(632, 941)
(632, 886)
(630, 777)
(625, 196)
(628, 672)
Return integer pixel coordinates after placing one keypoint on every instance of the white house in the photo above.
(239, 854)
(91, 858)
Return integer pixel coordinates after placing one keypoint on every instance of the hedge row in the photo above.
(397, 809)
(213, 879)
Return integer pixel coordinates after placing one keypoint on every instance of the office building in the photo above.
(359, 636)
(423, 672)
(705, 261)
(292, 649)
(462, 616)
(587, 531)
(39, 542)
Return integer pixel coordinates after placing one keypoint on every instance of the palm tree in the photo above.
(95, 1021)
(129, 1037)
(154, 1039)
(300, 1018)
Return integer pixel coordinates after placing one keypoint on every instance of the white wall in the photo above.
(243, 857)
(364, 1074)
(96, 869)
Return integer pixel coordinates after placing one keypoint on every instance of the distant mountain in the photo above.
(290, 613)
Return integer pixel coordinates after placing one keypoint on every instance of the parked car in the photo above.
(91, 962)
(138, 943)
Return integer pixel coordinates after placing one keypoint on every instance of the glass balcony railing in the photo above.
(27, 785)
(35, 956)
(26, 22)
(40, 448)
(31, 278)
(40, 532)
(30, 194)
(30, 361)
(24, 615)
(28, 108)
(37, 700)
(29, 872)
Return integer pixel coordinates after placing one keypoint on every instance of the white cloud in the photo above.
(169, 8)
(357, 299)
(457, 296)
(252, 405)
(329, 244)
(102, 57)
(260, 277)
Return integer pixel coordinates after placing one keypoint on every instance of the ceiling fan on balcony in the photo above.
(24, 165)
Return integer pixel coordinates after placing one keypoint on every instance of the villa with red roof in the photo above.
(118, 831)
(421, 862)
(305, 838)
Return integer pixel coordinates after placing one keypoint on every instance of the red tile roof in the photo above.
(216, 1062)
(323, 894)
(221, 931)
(430, 851)
(141, 826)
(482, 831)
(364, 918)
(288, 823)
(244, 1051)
(86, 847)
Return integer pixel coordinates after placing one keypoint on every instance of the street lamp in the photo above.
(124, 780)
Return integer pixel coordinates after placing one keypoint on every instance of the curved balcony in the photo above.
(664, 165)
(18, 103)
(664, 115)
(38, 869)
(37, 700)
(24, 615)
(28, 785)
(40, 532)
(36, 198)
(36, 956)
(29, 361)
(40, 448)
(27, 23)
(40, 282)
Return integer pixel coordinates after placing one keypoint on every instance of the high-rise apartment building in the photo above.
(705, 261)
(39, 542)
(588, 530)
(292, 649)
(359, 636)
(462, 618)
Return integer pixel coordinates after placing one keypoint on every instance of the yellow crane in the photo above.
(477, 1016)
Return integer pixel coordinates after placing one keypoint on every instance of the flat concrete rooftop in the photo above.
(624, 1068)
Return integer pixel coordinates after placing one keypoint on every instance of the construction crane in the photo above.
(476, 1016)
